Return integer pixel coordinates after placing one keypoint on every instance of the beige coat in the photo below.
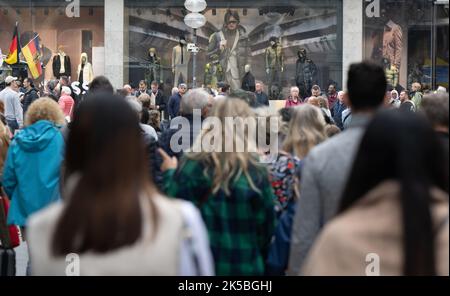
(88, 72)
(176, 56)
(373, 225)
(159, 255)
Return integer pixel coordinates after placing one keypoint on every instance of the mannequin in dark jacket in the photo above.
(61, 64)
(248, 82)
(30, 95)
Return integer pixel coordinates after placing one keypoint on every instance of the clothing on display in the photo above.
(180, 62)
(229, 47)
(274, 68)
(85, 72)
(154, 67)
(306, 74)
(392, 51)
(61, 65)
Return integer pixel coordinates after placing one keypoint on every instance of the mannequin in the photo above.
(230, 47)
(274, 67)
(306, 74)
(61, 64)
(180, 62)
(85, 72)
(248, 82)
(392, 51)
(154, 66)
(213, 74)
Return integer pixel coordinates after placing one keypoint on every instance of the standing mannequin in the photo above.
(61, 64)
(85, 72)
(248, 82)
(213, 74)
(154, 66)
(392, 51)
(180, 62)
(306, 74)
(229, 46)
(274, 67)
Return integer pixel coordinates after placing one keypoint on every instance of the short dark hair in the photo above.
(143, 81)
(30, 81)
(154, 82)
(366, 85)
(101, 84)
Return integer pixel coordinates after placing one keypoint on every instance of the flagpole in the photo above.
(37, 35)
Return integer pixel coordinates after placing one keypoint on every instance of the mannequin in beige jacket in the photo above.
(85, 72)
(180, 62)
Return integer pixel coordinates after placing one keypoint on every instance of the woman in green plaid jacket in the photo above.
(232, 191)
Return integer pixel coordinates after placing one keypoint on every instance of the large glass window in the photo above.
(399, 35)
(60, 27)
(306, 48)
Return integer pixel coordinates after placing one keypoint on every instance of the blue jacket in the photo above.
(174, 105)
(32, 170)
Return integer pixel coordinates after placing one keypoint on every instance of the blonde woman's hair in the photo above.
(228, 166)
(44, 109)
(4, 144)
(323, 102)
(306, 130)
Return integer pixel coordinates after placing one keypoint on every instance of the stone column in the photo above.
(114, 42)
(352, 39)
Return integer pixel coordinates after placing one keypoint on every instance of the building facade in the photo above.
(131, 40)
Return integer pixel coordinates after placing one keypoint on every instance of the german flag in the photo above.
(32, 56)
(14, 49)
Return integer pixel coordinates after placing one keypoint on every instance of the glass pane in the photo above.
(312, 25)
(58, 25)
(398, 35)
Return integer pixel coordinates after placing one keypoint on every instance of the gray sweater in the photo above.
(13, 108)
(323, 179)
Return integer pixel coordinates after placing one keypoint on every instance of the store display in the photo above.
(229, 46)
(85, 72)
(154, 67)
(248, 82)
(392, 51)
(306, 73)
(274, 67)
(180, 62)
(61, 64)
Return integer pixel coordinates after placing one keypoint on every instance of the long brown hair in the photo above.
(104, 210)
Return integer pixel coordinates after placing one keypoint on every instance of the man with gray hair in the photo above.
(173, 106)
(194, 107)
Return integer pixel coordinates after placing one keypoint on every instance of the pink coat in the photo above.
(66, 103)
(291, 103)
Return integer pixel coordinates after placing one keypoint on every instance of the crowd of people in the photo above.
(113, 177)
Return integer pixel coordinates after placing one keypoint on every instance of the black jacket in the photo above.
(248, 82)
(28, 98)
(57, 66)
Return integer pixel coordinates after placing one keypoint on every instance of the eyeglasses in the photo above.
(232, 22)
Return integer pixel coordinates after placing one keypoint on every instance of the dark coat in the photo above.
(57, 66)
(248, 82)
(262, 99)
(28, 98)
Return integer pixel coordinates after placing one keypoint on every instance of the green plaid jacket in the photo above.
(240, 226)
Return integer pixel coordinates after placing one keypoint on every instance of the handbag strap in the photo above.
(4, 233)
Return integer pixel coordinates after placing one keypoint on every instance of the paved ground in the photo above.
(21, 259)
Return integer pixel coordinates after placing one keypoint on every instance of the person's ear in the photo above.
(347, 100)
